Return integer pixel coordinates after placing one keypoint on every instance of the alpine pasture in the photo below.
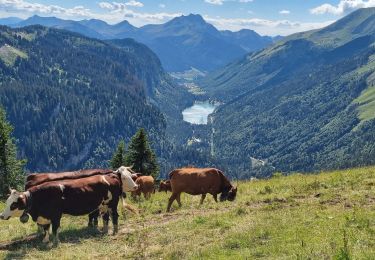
(325, 216)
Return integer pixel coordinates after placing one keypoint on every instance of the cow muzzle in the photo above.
(4, 218)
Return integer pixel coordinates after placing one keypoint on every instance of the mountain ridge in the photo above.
(294, 103)
(195, 42)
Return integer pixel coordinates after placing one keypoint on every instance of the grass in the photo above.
(325, 216)
(9, 54)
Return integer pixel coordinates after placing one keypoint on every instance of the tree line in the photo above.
(12, 169)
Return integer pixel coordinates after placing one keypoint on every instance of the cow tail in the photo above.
(128, 206)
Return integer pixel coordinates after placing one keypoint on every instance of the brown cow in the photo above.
(135, 176)
(40, 178)
(165, 186)
(46, 203)
(146, 185)
(196, 181)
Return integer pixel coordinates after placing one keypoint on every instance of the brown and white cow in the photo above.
(146, 185)
(165, 186)
(40, 178)
(48, 201)
(197, 181)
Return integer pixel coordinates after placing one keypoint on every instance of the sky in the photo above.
(267, 17)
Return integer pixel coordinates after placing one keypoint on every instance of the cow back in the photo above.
(37, 179)
(196, 181)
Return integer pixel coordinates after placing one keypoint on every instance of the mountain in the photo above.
(248, 39)
(72, 98)
(57, 23)
(305, 103)
(195, 43)
(10, 20)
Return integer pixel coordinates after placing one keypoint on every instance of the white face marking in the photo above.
(126, 177)
(8, 212)
(62, 187)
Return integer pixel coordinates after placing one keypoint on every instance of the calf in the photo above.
(165, 186)
(146, 185)
(196, 181)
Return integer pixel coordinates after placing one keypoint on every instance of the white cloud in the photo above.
(245, 1)
(121, 11)
(134, 3)
(264, 26)
(342, 7)
(215, 2)
(162, 5)
(114, 12)
(24, 6)
(285, 12)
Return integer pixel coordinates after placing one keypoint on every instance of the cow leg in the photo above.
(171, 199)
(46, 233)
(93, 219)
(202, 199)
(215, 197)
(55, 229)
(115, 221)
(105, 222)
(178, 198)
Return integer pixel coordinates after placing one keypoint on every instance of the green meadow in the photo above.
(330, 215)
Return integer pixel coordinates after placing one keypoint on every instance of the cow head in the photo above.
(229, 194)
(126, 177)
(15, 205)
(165, 186)
(232, 194)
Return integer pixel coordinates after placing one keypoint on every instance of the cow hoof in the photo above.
(115, 230)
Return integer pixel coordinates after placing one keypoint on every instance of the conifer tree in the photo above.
(118, 158)
(12, 172)
(141, 156)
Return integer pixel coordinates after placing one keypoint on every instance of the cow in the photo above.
(46, 202)
(146, 185)
(165, 186)
(40, 178)
(135, 176)
(196, 181)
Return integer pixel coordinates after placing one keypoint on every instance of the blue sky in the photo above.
(271, 17)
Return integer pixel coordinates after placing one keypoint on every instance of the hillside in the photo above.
(72, 98)
(303, 104)
(325, 216)
(195, 43)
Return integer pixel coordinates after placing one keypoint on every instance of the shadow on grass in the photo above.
(18, 249)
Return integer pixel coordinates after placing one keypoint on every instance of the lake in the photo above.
(198, 113)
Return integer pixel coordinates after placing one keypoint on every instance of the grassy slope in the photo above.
(295, 217)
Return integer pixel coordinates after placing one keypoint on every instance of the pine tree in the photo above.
(141, 156)
(118, 158)
(11, 169)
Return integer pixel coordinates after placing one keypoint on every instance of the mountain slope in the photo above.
(298, 103)
(329, 215)
(72, 98)
(195, 43)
